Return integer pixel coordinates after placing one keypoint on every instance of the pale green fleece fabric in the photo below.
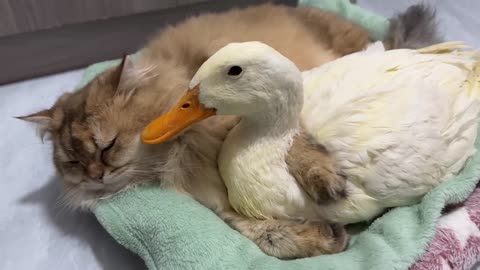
(377, 25)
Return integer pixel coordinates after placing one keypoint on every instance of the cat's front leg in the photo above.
(315, 170)
(289, 239)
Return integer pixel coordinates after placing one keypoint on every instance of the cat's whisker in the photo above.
(62, 204)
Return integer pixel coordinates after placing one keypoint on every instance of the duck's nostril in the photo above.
(186, 106)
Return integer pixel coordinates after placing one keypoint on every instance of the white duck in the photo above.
(259, 84)
(398, 122)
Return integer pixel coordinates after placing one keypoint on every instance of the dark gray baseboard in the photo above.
(73, 46)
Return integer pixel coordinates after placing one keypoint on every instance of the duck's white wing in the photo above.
(398, 122)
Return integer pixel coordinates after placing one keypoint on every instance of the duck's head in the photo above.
(243, 79)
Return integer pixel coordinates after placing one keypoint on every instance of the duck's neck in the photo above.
(253, 160)
(263, 136)
(278, 119)
(271, 127)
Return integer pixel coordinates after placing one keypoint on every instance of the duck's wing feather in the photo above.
(398, 122)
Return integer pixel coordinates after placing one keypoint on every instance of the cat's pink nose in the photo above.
(95, 171)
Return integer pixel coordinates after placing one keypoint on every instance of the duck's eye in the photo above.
(235, 71)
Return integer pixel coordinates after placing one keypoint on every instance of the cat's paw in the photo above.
(325, 185)
(300, 239)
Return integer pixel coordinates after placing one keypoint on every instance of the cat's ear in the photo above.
(43, 120)
(123, 81)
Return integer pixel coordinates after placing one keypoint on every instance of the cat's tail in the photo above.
(413, 29)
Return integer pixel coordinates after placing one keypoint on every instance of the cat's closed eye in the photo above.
(108, 147)
(72, 164)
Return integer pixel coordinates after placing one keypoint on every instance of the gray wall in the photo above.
(39, 40)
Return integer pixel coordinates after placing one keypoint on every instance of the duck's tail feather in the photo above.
(448, 47)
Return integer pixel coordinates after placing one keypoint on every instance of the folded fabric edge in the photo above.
(122, 232)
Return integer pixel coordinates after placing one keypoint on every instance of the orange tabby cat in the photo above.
(95, 130)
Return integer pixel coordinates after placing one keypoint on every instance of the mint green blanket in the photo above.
(376, 25)
(171, 231)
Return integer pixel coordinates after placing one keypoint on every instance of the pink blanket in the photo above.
(456, 245)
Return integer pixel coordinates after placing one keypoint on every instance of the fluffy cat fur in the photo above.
(95, 130)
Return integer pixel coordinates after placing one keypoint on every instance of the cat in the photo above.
(95, 130)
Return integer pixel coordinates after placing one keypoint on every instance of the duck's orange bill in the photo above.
(187, 112)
